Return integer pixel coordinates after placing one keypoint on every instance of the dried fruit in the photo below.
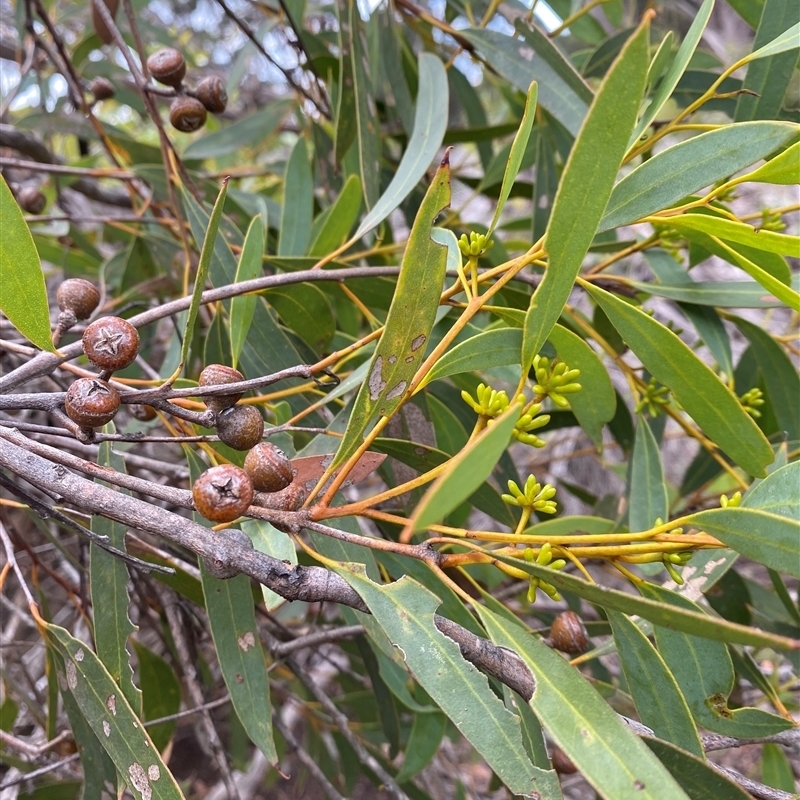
(221, 494)
(79, 296)
(268, 468)
(211, 93)
(568, 634)
(187, 114)
(167, 66)
(111, 343)
(31, 200)
(217, 375)
(102, 89)
(99, 23)
(91, 402)
(240, 427)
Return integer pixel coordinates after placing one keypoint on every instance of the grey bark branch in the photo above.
(29, 145)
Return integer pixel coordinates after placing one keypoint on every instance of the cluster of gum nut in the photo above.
(187, 112)
(220, 494)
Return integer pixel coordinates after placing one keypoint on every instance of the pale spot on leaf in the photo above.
(247, 641)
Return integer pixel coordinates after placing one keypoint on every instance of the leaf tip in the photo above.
(446, 158)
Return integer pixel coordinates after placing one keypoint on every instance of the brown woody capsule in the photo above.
(91, 402)
(111, 343)
(212, 94)
(102, 89)
(187, 114)
(562, 763)
(240, 427)
(31, 200)
(218, 375)
(78, 296)
(568, 634)
(99, 23)
(268, 468)
(221, 494)
(167, 66)
(289, 499)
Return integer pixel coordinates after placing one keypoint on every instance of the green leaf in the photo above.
(223, 262)
(663, 614)
(704, 671)
(109, 587)
(233, 627)
(298, 203)
(430, 123)
(761, 536)
(776, 769)
(338, 219)
(728, 294)
(206, 254)
(777, 493)
(706, 321)
(250, 266)
(647, 497)
(699, 780)
(767, 80)
(585, 188)
(780, 44)
(408, 323)
(366, 114)
(405, 610)
(23, 295)
(606, 752)
(675, 71)
(708, 401)
(596, 403)
(735, 231)
(655, 691)
(772, 284)
(465, 472)
(498, 347)
(689, 166)
(248, 131)
(514, 59)
(518, 147)
(306, 309)
(111, 718)
(783, 169)
(161, 694)
(781, 380)
(426, 735)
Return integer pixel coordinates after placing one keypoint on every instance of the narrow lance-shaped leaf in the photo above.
(783, 169)
(695, 386)
(780, 44)
(112, 719)
(465, 472)
(298, 203)
(231, 615)
(769, 539)
(772, 284)
(660, 613)
(689, 166)
(23, 295)
(250, 266)
(516, 154)
(430, 124)
(655, 692)
(676, 70)
(608, 753)
(405, 610)
(585, 188)
(647, 499)
(409, 322)
(110, 598)
(203, 266)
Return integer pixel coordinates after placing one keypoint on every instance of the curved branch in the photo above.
(31, 146)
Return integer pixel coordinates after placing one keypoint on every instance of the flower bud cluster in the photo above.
(555, 380)
(543, 559)
(653, 397)
(533, 496)
(751, 400)
(475, 246)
